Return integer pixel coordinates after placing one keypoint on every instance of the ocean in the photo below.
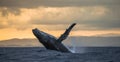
(40, 54)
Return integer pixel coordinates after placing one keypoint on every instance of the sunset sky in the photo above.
(93, 17)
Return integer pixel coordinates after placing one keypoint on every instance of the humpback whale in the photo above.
(51, 42)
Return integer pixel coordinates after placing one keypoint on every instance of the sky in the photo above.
(93, 17)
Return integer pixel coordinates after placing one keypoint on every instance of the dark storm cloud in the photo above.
(55, 3)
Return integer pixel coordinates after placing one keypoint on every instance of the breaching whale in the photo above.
(51, 42)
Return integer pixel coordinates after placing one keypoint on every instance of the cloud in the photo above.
(66, 15)
(87, 18)
(14, 6)
(12, 20)
(93, 17)
(5, 11)
(3, 24)
(56, 3)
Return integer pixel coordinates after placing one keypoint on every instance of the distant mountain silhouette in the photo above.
(19, 43)
(82, 41)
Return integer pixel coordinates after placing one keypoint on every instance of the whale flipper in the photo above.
(66, 33)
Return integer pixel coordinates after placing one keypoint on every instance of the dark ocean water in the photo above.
(40, 54)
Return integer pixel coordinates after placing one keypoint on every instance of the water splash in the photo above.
(73, 50)
(73, 47)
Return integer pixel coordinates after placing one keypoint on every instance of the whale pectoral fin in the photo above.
(66, 33)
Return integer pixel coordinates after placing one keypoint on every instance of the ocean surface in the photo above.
(40, 54)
